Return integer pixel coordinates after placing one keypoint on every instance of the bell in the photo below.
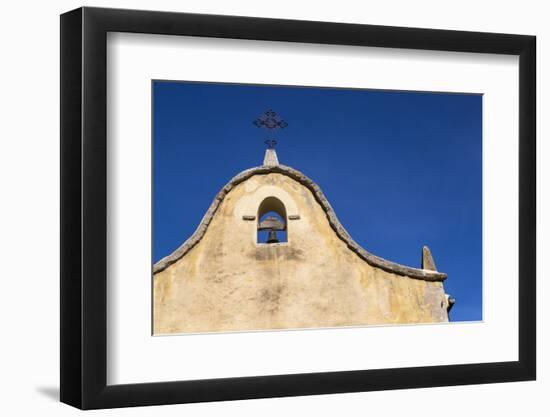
(272, 237)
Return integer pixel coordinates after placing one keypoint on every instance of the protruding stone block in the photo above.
(270, 158)
(450, 302)
(427, 259)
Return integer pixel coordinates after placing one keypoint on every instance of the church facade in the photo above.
(308, 273)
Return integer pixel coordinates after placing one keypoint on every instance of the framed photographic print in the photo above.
(257, 208)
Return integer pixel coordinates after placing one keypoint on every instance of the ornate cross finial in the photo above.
(270, 121)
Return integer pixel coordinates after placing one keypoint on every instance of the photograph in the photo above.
(339, 205)
(284, 207)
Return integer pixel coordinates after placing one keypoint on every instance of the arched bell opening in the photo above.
(272, 224)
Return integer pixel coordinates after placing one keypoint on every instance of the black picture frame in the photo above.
(84, 208)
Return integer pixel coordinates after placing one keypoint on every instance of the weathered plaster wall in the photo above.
(228, 282)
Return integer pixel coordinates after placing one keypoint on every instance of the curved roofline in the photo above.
(371, 259)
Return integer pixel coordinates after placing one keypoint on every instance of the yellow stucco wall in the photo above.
(228, 282)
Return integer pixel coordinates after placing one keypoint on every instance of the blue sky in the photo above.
(400, 169)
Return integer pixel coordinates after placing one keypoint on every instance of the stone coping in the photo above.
(373, 260)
